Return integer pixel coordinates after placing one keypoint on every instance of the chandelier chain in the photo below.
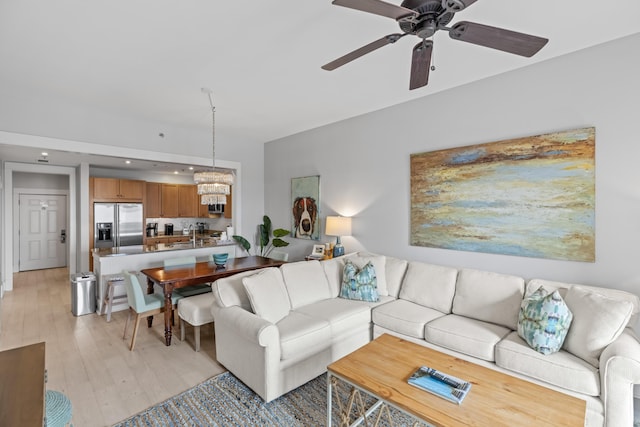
(213, 131)
(213, 184)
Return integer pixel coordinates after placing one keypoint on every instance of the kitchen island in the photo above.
(111, 262)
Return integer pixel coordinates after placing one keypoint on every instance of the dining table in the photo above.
(174, 277)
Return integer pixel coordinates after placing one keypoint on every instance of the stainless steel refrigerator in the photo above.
(117, 224)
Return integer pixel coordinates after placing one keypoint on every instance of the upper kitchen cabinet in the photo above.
(227, 207)
(118, 190)
(188, 201)
(169, 200)
(203, 210)
(153, 200)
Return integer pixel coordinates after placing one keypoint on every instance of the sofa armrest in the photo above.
(249, 347)
(619, 371)
(248, 326)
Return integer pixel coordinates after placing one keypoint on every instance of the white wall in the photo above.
(40, 181)
(363, 162)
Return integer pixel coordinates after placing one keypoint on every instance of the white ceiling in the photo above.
(148, 59)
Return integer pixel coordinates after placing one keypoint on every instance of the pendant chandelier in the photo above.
(213, 184)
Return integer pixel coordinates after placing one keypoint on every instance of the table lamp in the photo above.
(338, 226)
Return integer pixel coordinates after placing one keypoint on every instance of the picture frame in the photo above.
(305, 207)
(318, 250)
(530, 196)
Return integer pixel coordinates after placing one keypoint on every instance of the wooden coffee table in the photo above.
(382, 367)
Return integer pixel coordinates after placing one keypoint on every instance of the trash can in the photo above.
(83, 293)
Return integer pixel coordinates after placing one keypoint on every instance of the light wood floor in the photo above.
(86, 357)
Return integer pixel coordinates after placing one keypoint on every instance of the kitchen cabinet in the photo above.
(188, 201)
(227, 207)
(149, 241)
(117, 190)
(176, 201)
(169, 200)
(203, 210)
(153, 200)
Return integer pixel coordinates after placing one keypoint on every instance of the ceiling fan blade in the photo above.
(391, 38)
(497, 38)
(378, 7)
(420, 62)
(456, 6)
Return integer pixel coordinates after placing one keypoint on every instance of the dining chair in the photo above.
(141, 304)
(196, 311)
(279, 255)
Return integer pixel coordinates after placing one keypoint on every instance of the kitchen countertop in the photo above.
(160, 247)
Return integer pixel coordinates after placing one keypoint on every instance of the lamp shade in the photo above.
(338, 226)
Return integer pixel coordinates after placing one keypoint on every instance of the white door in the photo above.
(43, 240)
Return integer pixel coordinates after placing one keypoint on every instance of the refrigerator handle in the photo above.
(116, 223)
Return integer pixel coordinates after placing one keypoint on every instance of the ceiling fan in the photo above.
(423, 18)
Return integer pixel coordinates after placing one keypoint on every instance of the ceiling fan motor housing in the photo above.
(431, 16)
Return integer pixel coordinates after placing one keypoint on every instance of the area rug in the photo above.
(225, 401)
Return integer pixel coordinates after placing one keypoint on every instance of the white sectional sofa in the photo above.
(276, 329)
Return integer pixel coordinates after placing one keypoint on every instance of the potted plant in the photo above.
(264, 238)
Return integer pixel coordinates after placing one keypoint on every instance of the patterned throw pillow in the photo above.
(544, 321)
(359, 285)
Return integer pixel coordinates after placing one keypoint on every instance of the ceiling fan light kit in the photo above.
(423, 18)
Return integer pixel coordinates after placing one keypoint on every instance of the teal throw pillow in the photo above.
(544, 321)
(359, 284)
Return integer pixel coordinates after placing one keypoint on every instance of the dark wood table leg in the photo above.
(168, 310)
(149, 292)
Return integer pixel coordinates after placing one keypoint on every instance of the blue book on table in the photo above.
(446, 386)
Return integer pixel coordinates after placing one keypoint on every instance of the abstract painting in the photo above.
(305, 199)
(532, 197)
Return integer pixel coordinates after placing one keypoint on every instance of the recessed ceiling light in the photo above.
(44, 153)
(176, 172)
(128, 162)
(190, 168)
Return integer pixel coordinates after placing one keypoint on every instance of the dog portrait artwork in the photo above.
(305, 213)
(304, 207)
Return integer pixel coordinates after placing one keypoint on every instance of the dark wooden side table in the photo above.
(22, 386)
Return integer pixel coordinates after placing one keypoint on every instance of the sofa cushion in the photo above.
(305, 282)
(404, 317)
(267, 294)
(379, 263)
(302, 335)
(395, 271)
(429, 285)
(469, 336)
(597, 321)
(563, 287)
(343, 315)
(544, 320)
(359, 284)
(488, 296)
(561, 369)
(229, 291)
(333, 271)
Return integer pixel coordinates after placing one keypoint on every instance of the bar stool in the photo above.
(107, 305)
(195, 310)
(58, 409)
